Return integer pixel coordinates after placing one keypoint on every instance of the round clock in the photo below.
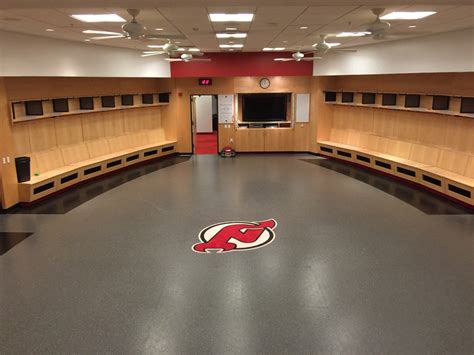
(264, 83)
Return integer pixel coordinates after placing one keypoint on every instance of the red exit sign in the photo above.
(205, 81)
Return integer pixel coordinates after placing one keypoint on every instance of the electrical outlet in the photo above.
(8, 160)
(4, 160)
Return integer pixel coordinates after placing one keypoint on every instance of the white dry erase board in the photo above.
(302, 108)
(226, 108)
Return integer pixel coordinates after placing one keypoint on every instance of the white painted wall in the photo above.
(25, 55)
(203, 113)
(445, 52)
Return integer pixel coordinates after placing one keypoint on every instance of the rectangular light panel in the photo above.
(231, 17)
(98, 18)
(408, 15)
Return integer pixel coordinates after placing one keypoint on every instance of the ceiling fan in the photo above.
(172, 49)
(188, 57)
(322, 47)
(132, 30)
(378, 28)
(298, 57)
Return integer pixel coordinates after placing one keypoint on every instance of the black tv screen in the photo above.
(368, 98)
(164, 97)
(330, 96)
(412, 100)
(440, 102)
(467, 105)
(147, 99)
(127, 100)
(60, 105)
(264, 107)
(389, 99)
(86, 103)
(347, 97)
(108, 101)
(34, 108)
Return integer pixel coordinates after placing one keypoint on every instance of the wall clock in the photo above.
(264, 83)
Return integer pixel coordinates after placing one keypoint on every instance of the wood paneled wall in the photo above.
(443, 131)
(35, 136)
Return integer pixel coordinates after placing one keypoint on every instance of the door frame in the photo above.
(192, 123)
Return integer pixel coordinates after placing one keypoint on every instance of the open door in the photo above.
(204, 123)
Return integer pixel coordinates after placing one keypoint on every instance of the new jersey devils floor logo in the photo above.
(230, 236)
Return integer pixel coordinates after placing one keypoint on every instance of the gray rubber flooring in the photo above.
(352, 269)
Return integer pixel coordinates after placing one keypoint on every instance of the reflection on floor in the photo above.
(9, 239)
(206, 143)
(419, 198)
(70, 199)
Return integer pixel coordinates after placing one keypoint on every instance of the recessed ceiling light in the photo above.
(333, 44)
(231, 45)
(231, 17)
(87, 40)
(49, 30)
(177, 42)
(411, 26)
(352, 34)
(159, 29)
(279, 49)
(285, 41)
(194, 49)
(267, 49)
(303, 27)
(98, 18)
(154, 46)
(407, 15)
(231, 28)
(231, 35)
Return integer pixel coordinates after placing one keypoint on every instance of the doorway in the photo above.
(204, 117)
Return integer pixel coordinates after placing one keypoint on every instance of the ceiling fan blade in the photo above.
(106, 37)
(152, 54)
(283, 59)
(312, 58)
(164, 36)
(201, 59)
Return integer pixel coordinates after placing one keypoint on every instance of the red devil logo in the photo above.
(229, 236)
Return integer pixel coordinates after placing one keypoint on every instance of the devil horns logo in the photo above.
(230, 236)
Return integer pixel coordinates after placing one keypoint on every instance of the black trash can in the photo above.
(23, 169)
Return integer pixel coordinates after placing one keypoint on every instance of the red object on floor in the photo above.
(206, 143)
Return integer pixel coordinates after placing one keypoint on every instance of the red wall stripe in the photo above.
(241, 64)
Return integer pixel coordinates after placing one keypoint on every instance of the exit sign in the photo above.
(205, 81)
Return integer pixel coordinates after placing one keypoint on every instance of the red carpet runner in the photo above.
(206, 143)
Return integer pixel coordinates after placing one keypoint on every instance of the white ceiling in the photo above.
(276, 24)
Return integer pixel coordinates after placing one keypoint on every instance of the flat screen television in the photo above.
(330, 96)
(127, 100)
(164, 97)
(440, 102)
(264, 107)
(412, 100)
(368, 98)
(467, 105)
(34, 108)
(347, 97)
(147, 99)
(389, 99)
(86, 103)
(60, 105)
(108, 101)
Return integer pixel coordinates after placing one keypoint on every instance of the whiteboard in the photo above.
(302, 108)
(226, 108)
